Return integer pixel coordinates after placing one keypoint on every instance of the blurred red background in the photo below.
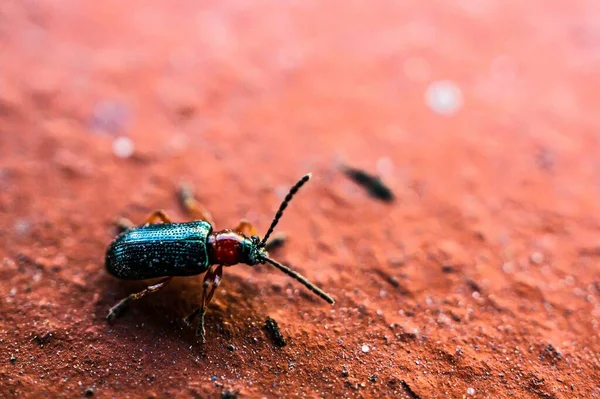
(480, 279)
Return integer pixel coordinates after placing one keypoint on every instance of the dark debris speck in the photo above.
(89, 392)
(344, 371)
(229, 395)
(43, 340)
(274, 333)
(448, 269)
(373, 184)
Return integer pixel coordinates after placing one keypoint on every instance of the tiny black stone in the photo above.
(448, 269)
(43, 340)
(373, 378)
(229, 395)
(274, 332)
(89, 392)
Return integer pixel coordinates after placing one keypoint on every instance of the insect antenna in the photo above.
(284, 205)
(301, 279)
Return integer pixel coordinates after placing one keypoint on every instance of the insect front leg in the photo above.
(212, 279)
(118, 308)
(275, 242)
(246, 228)
(191, 205)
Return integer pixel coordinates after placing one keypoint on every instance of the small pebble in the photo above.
(274, 332)
(231, 347)
(228, 395)
(471, 391)
(365, 348)
(373, 378)
(123, 147)
(13, 359)
(22, 226)
(89, 392)
(344, 371)
(537, 258)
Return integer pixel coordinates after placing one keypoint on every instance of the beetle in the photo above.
(169, 249)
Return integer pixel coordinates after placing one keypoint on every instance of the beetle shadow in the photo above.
(231, 314)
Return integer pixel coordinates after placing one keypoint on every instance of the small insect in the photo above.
(170, 249)
(373, 184)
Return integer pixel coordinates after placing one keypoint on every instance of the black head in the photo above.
(254, 253)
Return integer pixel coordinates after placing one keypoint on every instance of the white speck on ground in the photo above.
(123, 147)
(444, 97)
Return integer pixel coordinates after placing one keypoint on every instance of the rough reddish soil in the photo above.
(481, 280)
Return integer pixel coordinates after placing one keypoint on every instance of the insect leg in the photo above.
(118, 308)
(191, 205)
(245, 227)
(158, 215)
(275, 242)
(212, 279)
(123, 224)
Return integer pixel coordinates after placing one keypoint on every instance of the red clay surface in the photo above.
(481, 280)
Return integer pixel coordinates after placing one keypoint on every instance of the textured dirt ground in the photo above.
(481, 280)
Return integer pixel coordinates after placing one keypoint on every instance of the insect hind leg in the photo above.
(122, 304)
